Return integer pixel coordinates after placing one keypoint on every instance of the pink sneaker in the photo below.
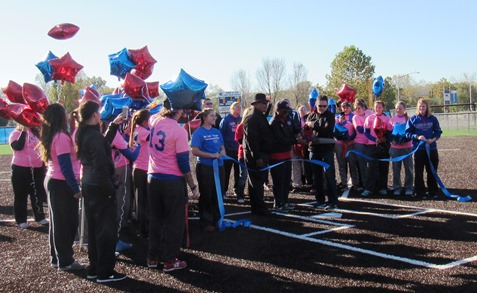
(174, 265)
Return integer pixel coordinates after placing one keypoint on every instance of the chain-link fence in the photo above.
(464, 121)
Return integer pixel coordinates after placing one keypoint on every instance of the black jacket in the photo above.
(323, 126)
(257, 136)
(283, 134)
(95, 156)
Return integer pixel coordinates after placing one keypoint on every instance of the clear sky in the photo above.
(212, 39)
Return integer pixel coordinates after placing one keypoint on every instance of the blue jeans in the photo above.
(243, 174)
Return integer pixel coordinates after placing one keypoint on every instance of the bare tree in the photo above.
(299, 85)
(271, 76)
(240, 82)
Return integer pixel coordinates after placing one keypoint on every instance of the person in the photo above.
(61, 183)
(168, 174)
(297, 152)
(321, 148)
(257, 146)
(141, 136)
(361, 141)
(283, 140)
(243, 169)
(227, 127)
(99, 190)
(424, 127)
(399, 147)
(207, 145)
(378, 130)
(345, 144)
(28, 174)
(206, 104)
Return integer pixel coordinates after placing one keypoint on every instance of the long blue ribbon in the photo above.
(396, 159)
(316, 162)
(443, 188)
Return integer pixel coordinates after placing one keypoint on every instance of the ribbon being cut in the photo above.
(434, 172)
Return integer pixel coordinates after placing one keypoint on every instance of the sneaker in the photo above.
(331, 207)
(383, 192)
(397, 192)
(43, 222)
(91, 274)
(241, 200)
(23, 225)
(152, 263)
(74, 266)
(320, 205)
(121, 246)
(366, 193)
(408, 192)
(289, 206)
(112, 278)
(174, 265)
(357, 188)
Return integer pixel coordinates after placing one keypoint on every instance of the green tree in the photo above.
(389, 95)
(353, 67)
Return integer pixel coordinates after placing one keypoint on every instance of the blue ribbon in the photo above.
(396, 159)
(316, 162)
(443, 188)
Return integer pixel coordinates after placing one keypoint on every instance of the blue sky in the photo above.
(213, 39)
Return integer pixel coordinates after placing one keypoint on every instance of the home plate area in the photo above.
(423, 237)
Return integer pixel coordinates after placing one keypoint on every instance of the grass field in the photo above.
(5, 149)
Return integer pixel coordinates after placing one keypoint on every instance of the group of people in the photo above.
(138, 170)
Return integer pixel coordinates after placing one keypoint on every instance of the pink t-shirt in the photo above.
(369, 124)
(119, 143)
(167, 139)
(142, 161)
(359, 121)
(28, 156)
(61, 144)
(399, 120)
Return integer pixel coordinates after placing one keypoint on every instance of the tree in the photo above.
(389, 95)
(240, 82)
(300, 86)
(270, 77)
(353, 67)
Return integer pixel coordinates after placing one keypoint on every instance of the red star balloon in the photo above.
(379, 128)
(153, 89)
(144, 62)
(35, 97)
(63, 31)
(65, 68)
(90, 94)
(135, 87)
(14, 93)
(346, 93)
(24, 115)
(4, 112)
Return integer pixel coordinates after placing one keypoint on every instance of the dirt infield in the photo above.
(369, 244)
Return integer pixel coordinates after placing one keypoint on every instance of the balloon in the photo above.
(399, 133)
(186, 92)
(332, 105)
(379, 127)
(35, 97)
(45, 67)
(346, 93)
(144, 62)
(135, 87)
(312, 98)
(63, 31)
(90, 94)
(340, 132)
(153, 89)
(378, 86)
(4, 112)
(113, 106)
(24, 115)
(14, 92)
(65, 68)
(138, 104)
(120, 63)
(154, 108)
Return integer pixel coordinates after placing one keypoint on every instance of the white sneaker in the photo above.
(23, 225)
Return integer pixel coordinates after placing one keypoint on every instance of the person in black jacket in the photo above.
(322, 148)
(99, 191)
(257, 142)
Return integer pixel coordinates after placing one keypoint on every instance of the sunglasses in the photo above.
(322, 106)
(208, 104)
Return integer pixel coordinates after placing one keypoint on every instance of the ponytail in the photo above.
(138, 119)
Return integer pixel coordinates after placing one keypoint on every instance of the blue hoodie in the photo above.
(419, 125)
(227, 127)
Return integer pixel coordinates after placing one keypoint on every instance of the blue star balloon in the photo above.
(378, 86)
(312, 97)
(45, 67)
(186, 92)
(120, 63)
(399, 133)
(113, 105)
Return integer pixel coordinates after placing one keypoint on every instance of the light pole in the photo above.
(398, 79)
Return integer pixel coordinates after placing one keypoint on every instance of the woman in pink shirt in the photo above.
(401, 146)
(61, 182)
(360, 141)
(28, 174)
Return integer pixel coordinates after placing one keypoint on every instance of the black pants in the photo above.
(325, 154)
(228, 164)
(142, 201)
(27, 184)
(256, 179)
(102, 230)
(208, 203)
(420, 161)
(63, 221)
(377, 171)
(281, 176)
(167, 218)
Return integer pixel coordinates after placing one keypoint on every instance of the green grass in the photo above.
(450, 133)
(5, 149)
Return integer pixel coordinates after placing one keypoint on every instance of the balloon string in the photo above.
(32, 172)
